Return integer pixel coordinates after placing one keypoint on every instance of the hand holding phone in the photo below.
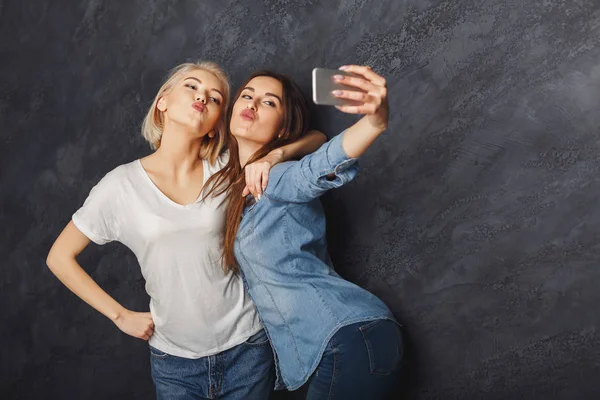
(353, 89)
(324, 83)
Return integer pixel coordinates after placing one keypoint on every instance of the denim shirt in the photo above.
(281, 251)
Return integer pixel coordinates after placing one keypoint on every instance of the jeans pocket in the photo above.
(260, 338)
(156, 353)
(384, 346)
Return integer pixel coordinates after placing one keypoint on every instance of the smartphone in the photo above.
(323, 84)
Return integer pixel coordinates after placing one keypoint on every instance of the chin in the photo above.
(241, 133)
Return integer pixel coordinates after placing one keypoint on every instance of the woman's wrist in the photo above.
(277, 155)
(378, 125)
(118, 314)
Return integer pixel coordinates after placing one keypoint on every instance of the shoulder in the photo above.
(120, 174)
(124, 170)
(282, 167)
(279, 172)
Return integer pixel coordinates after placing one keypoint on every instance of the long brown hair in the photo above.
(230, 179)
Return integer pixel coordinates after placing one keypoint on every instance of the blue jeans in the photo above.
(246, 371)
(361, 361)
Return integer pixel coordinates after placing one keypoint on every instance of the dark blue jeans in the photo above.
(361, 361)
(246, 371)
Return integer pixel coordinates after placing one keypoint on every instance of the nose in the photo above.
(201, 97)
(252, 106)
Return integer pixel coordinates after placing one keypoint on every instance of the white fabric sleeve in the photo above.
(96, 219)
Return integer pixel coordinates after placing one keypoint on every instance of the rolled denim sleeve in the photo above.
(304, 180)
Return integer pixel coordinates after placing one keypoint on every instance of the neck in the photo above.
(179, 148)
(246, 149)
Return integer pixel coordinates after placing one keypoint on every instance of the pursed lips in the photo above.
(248, 115)
(198, 106)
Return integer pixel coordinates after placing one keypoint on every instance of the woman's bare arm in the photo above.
(62, 261)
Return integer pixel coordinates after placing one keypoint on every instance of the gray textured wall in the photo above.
(476, 218)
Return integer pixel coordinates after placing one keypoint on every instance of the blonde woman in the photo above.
(205, 337)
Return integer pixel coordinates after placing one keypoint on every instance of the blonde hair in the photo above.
(152, 126)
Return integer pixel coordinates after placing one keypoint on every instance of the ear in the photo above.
(212, 134)
(161, 104)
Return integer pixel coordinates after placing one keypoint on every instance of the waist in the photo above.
(194, 321)
(301, 317)
(200, 332)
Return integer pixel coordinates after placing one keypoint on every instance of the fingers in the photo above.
(373, 99)
(137, 324)
(366, 72)
(357, 82)
(366, 109)
(250, 173)
(251, 183)
(265, 179)
(257, 177)
(148, 332)
(147, 326)
(359, 97)
(368, 81)
(371, 105)
(248, 178)
(145, 334)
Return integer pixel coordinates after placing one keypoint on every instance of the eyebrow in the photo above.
(199, 81)
(268, 94)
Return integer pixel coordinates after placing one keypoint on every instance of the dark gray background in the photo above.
(476, 217)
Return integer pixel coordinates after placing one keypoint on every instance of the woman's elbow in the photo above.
(51, 259)
(317, 136)
(321, 138)
(55, 259)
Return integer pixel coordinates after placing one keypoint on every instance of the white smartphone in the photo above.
(323, 84)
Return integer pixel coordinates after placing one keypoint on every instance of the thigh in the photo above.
(178, 378)
(361, 361)
(249, 369)
(321, 382)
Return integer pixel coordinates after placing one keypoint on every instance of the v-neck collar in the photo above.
(163, 195)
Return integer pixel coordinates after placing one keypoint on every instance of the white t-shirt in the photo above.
(197, 309)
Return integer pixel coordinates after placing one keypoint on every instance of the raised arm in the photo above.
(334, 164)
(372, 102)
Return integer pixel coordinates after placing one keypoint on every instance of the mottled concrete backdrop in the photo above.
(476, 218)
